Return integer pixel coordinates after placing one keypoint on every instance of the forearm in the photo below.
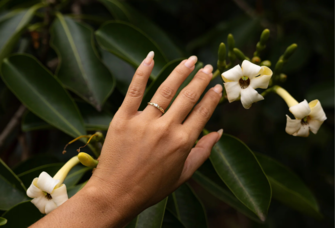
(91, 207)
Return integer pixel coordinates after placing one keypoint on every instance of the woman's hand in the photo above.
(147, 155)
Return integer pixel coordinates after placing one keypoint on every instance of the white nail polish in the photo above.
(149, 58)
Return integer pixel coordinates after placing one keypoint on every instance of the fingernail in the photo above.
(191, 61)
(218, 88)
(220, 134)
(207, 69)
(149, 58)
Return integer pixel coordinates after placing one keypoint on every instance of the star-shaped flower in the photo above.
(242, 82)
(309, 117)
(47, 196)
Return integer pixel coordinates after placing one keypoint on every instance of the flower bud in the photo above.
(289, 51)
(87, 160)
(256, 60)
(239, 54)
(266, 63)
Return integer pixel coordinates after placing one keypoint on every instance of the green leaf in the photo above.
(151, 217)
(207, 177)
(22, 215)
(33, 162)
(75, 175)
(130, 44)
(151, 90)
(238, 167)
(28, 176)
(122, 71)
(288, 188)
(124, 12)
(3, 221)
(12, 190)
(189, 209)
(42, 93)
(171, 221)
(11, 27)
(93, 120)
(80, 69)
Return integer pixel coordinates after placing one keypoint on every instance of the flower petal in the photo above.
(234, 74)
(46, 183)
(314, 125)
(249, 96)
(303, 131)
(40, 203)
(260, 82)
(317, 112)
(50, 206)
(300, 110)
(292, 125)
(249, 69)
(233, 90)
(59, 195)
(33, 191)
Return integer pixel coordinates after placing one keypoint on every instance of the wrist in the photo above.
(113, 205)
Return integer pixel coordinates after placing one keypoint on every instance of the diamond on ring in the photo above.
(156, 106)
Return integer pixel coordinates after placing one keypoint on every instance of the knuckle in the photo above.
(134, 91)
(180, 70)
(117, 125)
(140, 73)
(204, 112)
(182, 140)
(190, 94)
(202, 76)
(166, 92)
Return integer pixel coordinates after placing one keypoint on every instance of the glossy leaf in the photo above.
(124, 12)
(93, 120)
(171, 221)
(288, 188)
(80, 68)
(22, 215)
(42, 93)
(11, 27)
(35, 161)
(207, 177)
(118, 38)
(12, 190)
(151, 217)
(3, 221)
(189, 209)
(238, 167)
(75, 175)
(121, 70)
(151, 90)
(28, 176)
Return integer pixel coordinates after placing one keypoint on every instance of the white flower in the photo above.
(309, 116)
(47, 196)
(243, 82)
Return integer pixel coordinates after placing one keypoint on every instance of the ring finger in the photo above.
(169, 87)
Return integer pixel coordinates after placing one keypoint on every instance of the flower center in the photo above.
(48, 196)
(304, 120)
(244, 82)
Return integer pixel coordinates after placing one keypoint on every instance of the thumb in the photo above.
(199, 154)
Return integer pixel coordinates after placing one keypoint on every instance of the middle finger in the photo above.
(189, 96)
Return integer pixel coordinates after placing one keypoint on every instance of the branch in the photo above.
(12, 124)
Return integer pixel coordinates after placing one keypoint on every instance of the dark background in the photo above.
(198, 27)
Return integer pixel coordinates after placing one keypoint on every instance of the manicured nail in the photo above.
(191, 61)
(218, 88)
(220, 134)
(207, 69)
(149, 58)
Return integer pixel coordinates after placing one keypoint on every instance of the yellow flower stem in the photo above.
(290, 101)
(87, 160)
(62, 173)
